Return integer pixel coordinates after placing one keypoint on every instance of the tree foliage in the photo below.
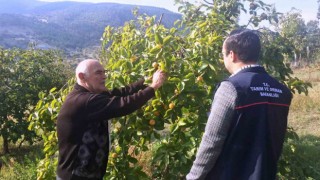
(313, 41)
(304, 37)
(169, 128)
(292, 27)
(23, 74)
(191, 60)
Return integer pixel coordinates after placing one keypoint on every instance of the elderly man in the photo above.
(245, 131)
(82, 125)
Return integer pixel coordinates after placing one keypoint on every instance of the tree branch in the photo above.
(159, 22)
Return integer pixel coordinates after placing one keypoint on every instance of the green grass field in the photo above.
(304, 118)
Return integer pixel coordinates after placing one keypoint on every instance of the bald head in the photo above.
(91, 75)
(84, 66)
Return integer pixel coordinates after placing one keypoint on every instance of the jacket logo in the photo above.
(267, 91)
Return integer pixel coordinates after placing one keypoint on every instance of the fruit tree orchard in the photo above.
(169, 128)
(23, 74)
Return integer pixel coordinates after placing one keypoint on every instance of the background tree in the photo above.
(303, 37)
(257, 9)
(313, 41)
(293, 28)
(23, 74)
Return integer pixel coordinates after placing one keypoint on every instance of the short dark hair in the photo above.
(245, 43)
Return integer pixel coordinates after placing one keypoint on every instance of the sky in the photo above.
(308, 8)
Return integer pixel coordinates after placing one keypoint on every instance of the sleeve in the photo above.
(215, 132)
(129, 89)
(101, 107)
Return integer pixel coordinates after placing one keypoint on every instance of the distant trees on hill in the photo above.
(69, 25)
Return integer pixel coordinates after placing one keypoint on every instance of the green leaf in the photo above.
(155, 49)
(53, 89)
(167, 40)
(158, 39)
(174, 79)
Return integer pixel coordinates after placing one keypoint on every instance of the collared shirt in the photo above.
(245, 67)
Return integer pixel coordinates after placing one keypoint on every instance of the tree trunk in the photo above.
(20, 144)
(5, 145)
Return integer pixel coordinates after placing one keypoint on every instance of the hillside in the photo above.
(18, 6)
(65, 25)
(18, 31)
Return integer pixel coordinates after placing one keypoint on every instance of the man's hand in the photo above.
(158, 79)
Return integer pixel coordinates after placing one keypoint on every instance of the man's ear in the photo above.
(81, 76)
(233, 56)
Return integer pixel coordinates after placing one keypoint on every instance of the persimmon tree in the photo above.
(178, 113)
(169, 128)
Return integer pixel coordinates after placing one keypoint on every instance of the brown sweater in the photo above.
(82, 127)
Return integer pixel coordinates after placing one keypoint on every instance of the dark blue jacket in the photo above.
(256, 135)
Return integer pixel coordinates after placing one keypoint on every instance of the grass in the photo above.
(304, 118)
(20, 163)
(304, 114)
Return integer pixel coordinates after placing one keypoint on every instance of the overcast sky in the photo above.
(308, 8)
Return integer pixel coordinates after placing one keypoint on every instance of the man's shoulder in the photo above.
(78, 96)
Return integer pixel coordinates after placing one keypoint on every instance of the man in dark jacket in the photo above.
(82, 125)
(245, 131)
